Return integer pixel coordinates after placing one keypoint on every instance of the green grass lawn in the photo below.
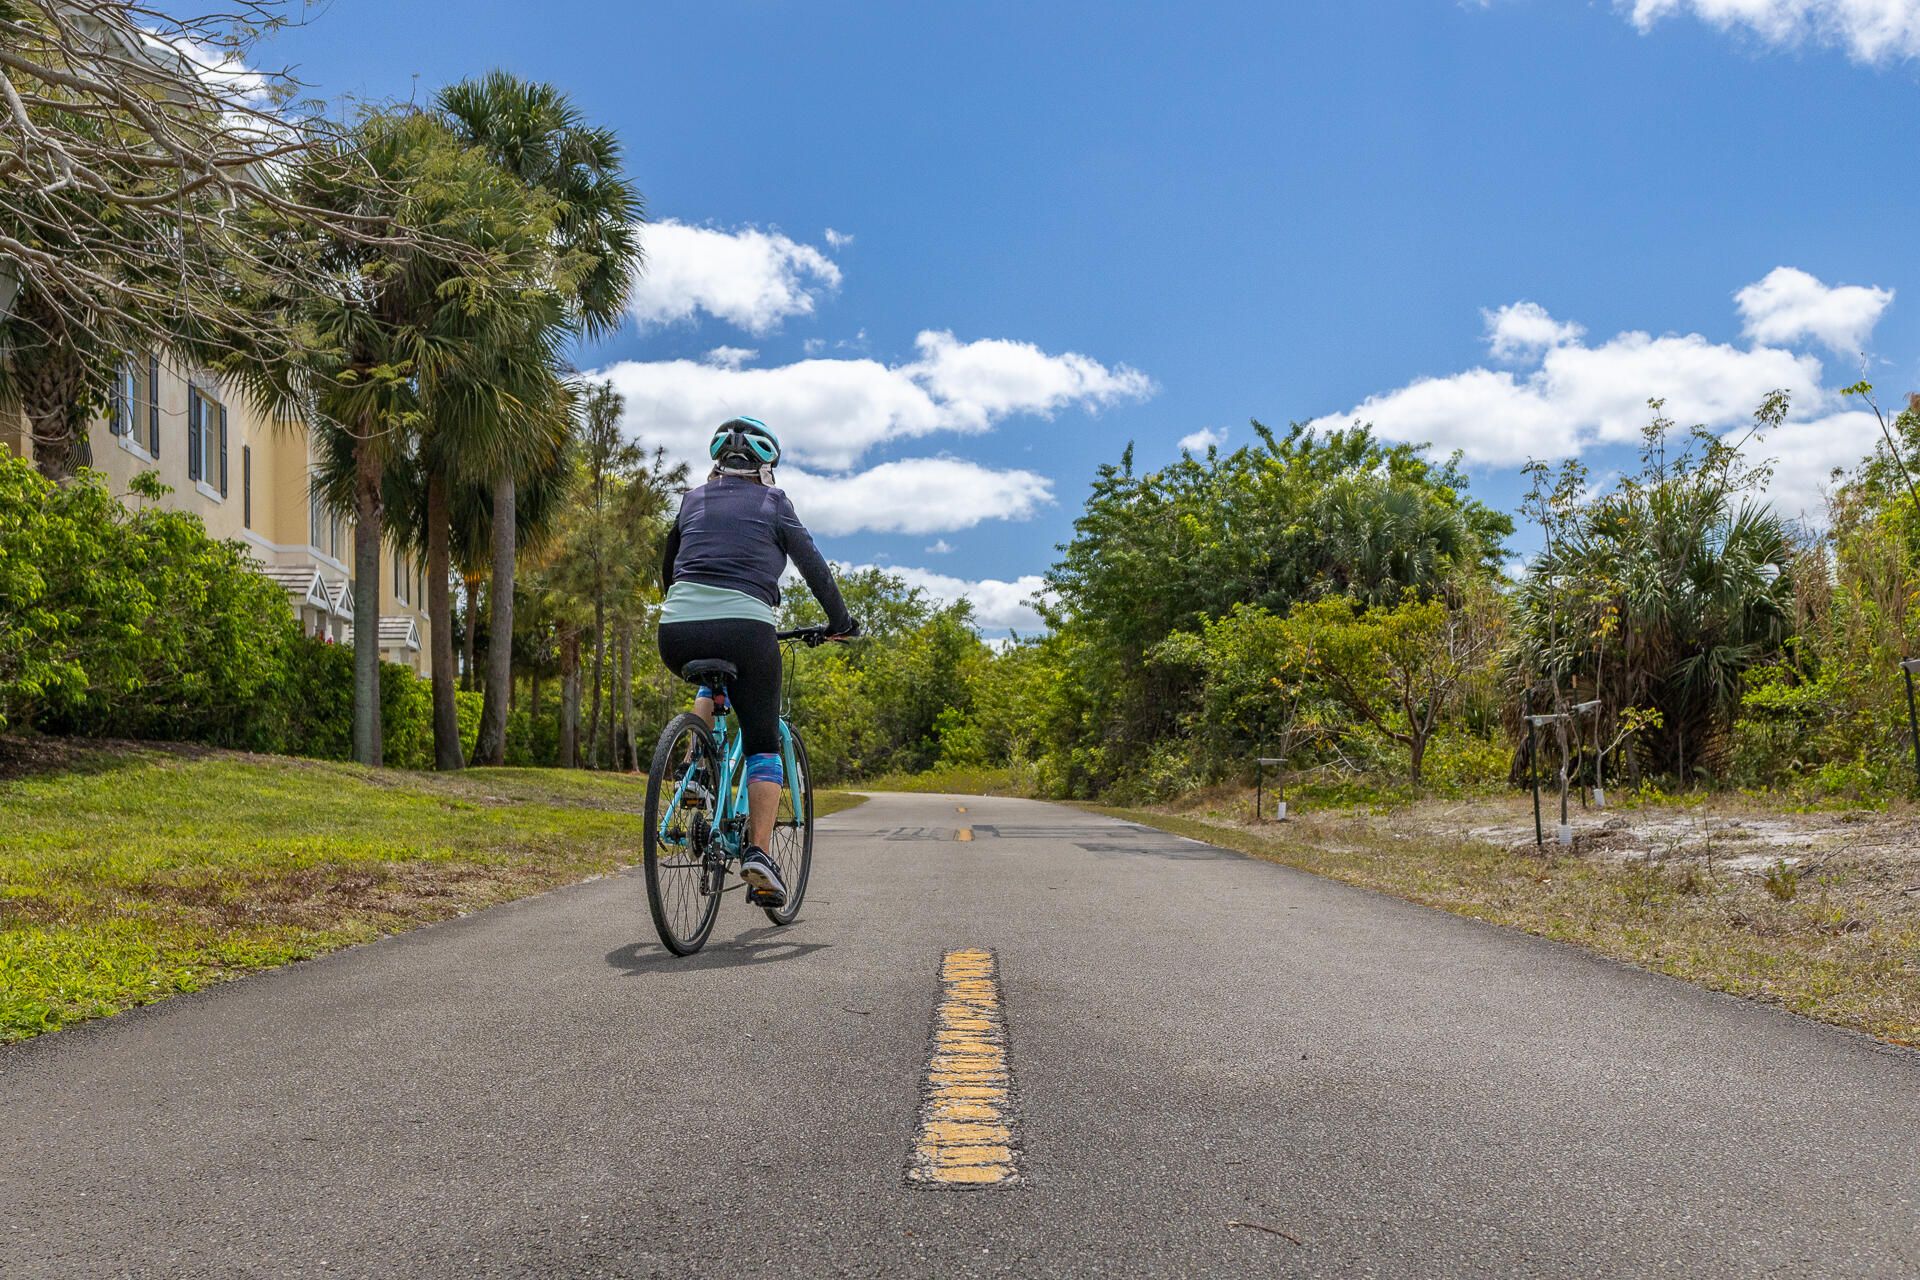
(130, 875)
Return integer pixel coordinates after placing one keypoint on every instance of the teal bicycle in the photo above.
(697, 812)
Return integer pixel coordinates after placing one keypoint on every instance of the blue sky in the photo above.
(1063, 226)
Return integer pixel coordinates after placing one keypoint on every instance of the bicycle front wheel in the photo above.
(792, 844)
(683, 789)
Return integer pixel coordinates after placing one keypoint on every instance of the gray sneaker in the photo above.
(764, 888)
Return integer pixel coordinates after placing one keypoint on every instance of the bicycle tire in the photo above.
(683, 912)
(795, 858)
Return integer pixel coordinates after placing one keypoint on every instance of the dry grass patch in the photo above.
(1832, 934)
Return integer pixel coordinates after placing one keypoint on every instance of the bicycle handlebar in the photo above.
(809, 636)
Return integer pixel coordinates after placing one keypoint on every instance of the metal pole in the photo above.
(1259, 776)
(1533, 775)
(1913, 719)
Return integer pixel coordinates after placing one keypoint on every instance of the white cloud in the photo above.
(750, 278)
(1522, 330)
(830, 413)
(1790, 305)
(1204, 439)
(941, 547)
(1805, 455)
(730, 357)
(838, 239)
(1871, 31)
(914, 495)
(1581, 396)
(980, 382)
(998, 605)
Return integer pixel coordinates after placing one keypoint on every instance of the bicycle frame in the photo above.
(730, 804)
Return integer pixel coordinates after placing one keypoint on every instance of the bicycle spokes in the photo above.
(682, 839)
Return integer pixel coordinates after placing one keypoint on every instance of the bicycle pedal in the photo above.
(764, 898)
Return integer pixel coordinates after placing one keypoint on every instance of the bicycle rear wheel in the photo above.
(683, 787)
(792, 844)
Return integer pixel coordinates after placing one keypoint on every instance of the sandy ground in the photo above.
(1733, 834)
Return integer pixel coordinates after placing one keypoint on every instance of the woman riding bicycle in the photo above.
(722, 568)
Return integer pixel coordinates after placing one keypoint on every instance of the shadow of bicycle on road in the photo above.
(755, 946)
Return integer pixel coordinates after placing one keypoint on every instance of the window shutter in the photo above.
(246, 486)
(194, 427)
(120, 419)
(223, 451)
(153, 403)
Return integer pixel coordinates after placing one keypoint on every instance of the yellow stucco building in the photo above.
(246, 477)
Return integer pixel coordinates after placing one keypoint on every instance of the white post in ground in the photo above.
(1564, 831)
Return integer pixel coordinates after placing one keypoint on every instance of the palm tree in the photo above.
(503, 420)
(406, 322)
(535, 133)
(1660, 597)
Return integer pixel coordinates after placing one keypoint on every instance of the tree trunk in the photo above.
(469, 675)
(599, 672)
(613, 744)
(51, 379)
(626, 696)
(367, 515)
(56, 443)
(1417, 753)
(447, 748)
(569, 698)
(492, 747)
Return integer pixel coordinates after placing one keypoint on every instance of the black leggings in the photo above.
(751, 648)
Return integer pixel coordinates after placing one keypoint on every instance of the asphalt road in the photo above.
(1196, 1040)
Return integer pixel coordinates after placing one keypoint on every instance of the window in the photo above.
(125, 410)
(206, 440)
(316, 518)
(246, 485)
(399, 578)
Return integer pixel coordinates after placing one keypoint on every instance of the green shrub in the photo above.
(135, 623)
(406, 718)
(466, 710)
(529, 741)
(1777, 737)
(132, 622)
(318, 700)
(1466, 764)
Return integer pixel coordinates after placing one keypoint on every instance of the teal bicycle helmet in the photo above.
(744, 446)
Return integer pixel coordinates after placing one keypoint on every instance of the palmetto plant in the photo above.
(1660, 596)
(534, 133)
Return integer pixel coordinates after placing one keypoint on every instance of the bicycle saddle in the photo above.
(709, 671)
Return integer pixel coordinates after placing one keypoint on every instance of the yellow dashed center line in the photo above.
(966, 1121)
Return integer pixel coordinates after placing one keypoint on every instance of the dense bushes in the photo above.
(1659, 597)
(132, 623)
(1830, 710)
(120, 622)
(1334, 602)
